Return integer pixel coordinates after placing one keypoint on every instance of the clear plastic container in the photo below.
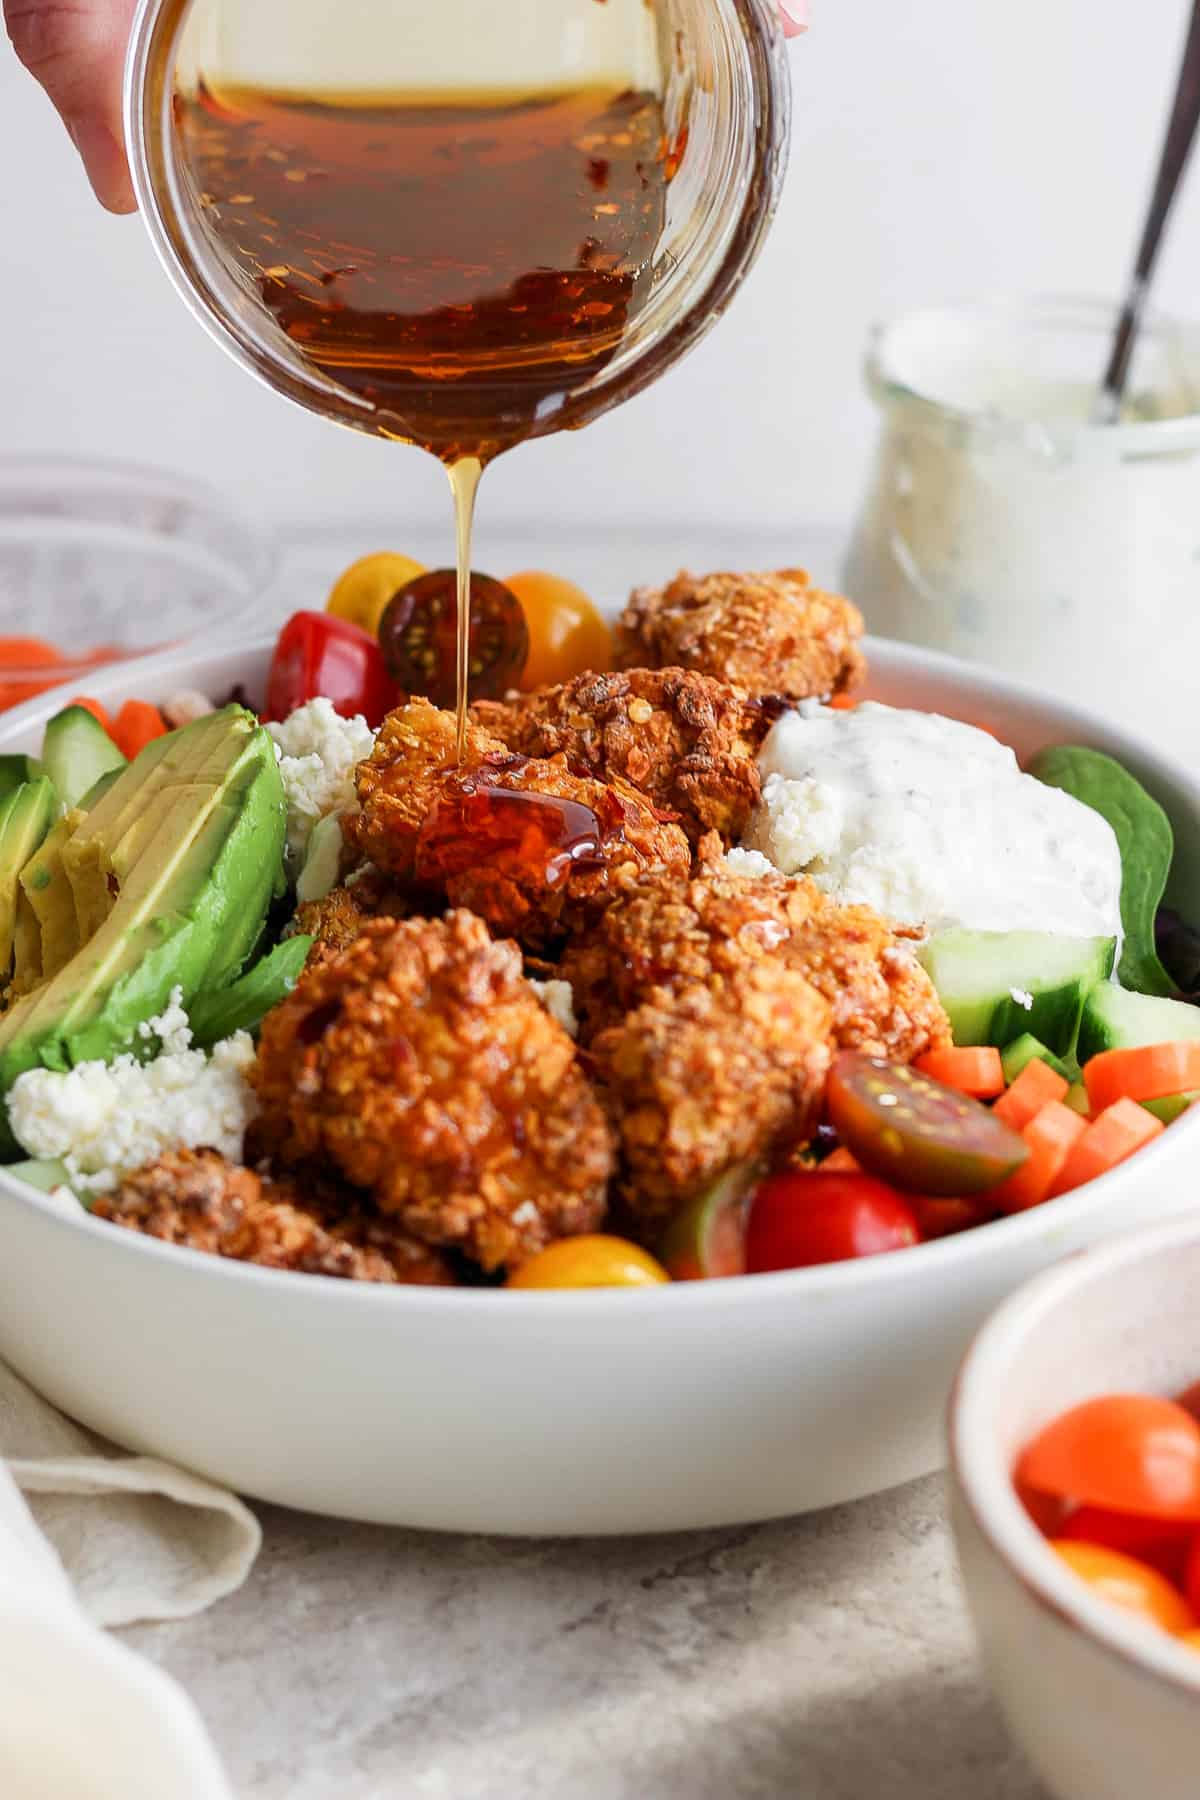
(102, 560)
(1002, 524)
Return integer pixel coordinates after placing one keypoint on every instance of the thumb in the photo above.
(76, 49)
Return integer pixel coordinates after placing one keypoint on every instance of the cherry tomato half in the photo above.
(916, 1132)
(1123, 1581)
(567, 636)
(1129, 1453)
(802, 1217)
(588, 1262)
(318, 655)
(418, 635)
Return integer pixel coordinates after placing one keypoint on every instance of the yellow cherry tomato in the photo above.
(566, 633)
(1125, 1582)
(589, 1262)
(362, 594)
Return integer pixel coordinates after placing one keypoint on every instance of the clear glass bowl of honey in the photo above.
(456, 225)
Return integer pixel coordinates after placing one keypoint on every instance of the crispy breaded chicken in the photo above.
(674, 932)
(196, 1198)
(421, 1066)
(766, 633)
(687, 741)
(708, 1074)
(336, 921)
(535, 849)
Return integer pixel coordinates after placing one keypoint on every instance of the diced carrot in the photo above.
(1117, 1133)
(136, 725)
(1051, 1135)
(1035, 1087)
(98, 712)
(841, 1160)
(842, 702)
(28, 653)
(1149, 1072)
(975, 1070)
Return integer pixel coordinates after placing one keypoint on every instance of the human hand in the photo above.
(76, 49)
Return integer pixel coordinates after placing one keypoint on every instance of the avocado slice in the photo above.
(45, 886)
(27, 949)
(194, 868)
(25, 818)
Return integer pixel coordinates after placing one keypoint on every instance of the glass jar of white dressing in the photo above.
(1003, 525)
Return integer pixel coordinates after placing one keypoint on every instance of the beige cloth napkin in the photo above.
(105, 1539)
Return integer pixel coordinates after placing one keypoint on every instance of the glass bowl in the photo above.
(100, 561)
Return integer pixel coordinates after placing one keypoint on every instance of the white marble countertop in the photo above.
(828, 1658)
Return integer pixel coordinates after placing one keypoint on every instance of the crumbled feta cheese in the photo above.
(1022, 997)
(318, 752)
(932, 823)
(559, 1002)
(749, 862)
(103, 1120)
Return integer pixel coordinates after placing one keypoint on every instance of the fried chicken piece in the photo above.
(422, 1067)
(336, 921)
(196, 1198)
(671, 933)
(704, 1076)
(535, 849)
(687, 741)
(769, 634)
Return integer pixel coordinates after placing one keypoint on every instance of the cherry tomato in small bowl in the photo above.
(362, 594)
(917, 1133)
(1163, 1543)
(589, 1262)
(567, 635)
(799, 1218)
(418, 635)
(318, 655)
(1128, 1453)
(1123, 1581)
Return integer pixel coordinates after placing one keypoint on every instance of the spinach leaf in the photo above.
(1147, 844)
(245, 1005)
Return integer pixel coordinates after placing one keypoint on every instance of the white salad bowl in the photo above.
(540, 1412)
(1106, 1707)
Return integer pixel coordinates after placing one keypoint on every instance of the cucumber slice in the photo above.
(77, 751)
(1000, 985)
(46, 1173)
(15, 771)
(1116, 1019)
(1026, 1049)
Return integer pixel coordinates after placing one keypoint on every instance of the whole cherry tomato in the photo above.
(319, 655)
(364, 591)
(567, 636)
(911, 1130)
(588, 1262)
(1129, 1453)
(1133, 1586)
(1163, 1543)
(802, 1217)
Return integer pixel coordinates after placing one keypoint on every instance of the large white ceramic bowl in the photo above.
(1106, 1708)
(571, 1413)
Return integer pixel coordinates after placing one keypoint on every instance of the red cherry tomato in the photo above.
(319, 655)
(1163, 1543)
(1129, 1453)
(802, 1217)
(418, 635)
(911, 1130)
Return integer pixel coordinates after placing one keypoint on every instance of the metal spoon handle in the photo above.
(1177, 147)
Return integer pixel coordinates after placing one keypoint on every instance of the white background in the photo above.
(943, 148)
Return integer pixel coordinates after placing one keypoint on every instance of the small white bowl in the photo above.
(1106, 1708)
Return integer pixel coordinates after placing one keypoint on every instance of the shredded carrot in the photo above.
(842, 702)
(1035, 1087)
(136, 725)
(841, 1161)
(1116, 1134)
(1149, 1072)
(971, 1069)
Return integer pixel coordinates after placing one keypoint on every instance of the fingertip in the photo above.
(106, 163)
